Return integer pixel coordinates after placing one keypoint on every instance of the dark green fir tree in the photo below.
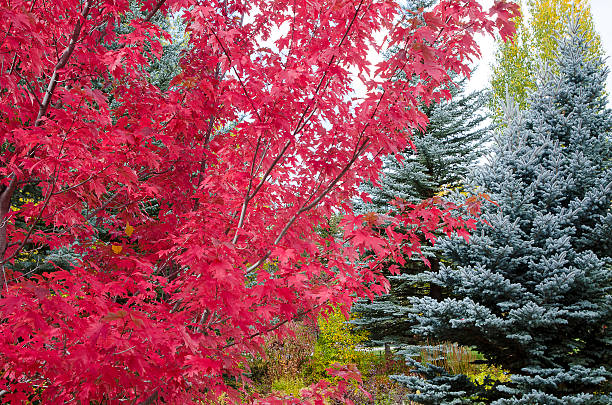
(532, 291)
(444, 152)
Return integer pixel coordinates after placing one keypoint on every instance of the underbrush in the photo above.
(294, 363)
(457, 359)
(302, 358)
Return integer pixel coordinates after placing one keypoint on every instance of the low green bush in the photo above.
(337, 342)
(288, 385)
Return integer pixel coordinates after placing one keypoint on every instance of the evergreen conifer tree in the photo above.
(532, 291)
(444, 151)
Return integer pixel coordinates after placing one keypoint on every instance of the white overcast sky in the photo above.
(602, 16)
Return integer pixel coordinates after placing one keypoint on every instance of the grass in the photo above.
(452, 357)
(458, 359)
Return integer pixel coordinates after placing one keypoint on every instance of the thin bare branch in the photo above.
(248, 197)
(82, 182)
(278, 325)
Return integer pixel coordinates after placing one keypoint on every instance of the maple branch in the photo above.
(12, 67)
(248, 197)
(267, 173)
(6, 193)
(306, 121)
(31, 90)
(82, 182)
(298, 128)
(7, 33)
(292, 31)
(331, 61)
(326, 191)
(263, 155)
(150, 399)
(248, 190)
(246, 93)
(24, 275)
(154, 10)
(74, 37)
(244, 89)
(319, 180)
(123, 351)
(92, 214)
(207, 138)
(278, 325)
(357, 152)
(45, 204)
(196, 203)
(332, 184)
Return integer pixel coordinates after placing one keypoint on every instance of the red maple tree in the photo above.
(193, 241)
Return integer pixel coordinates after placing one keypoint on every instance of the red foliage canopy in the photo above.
(193, 241)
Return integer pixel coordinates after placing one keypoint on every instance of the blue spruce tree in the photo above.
(533, 291)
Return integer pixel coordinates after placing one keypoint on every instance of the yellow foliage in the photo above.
(513, 71)
(338, 339)
(548, 18)
(442, 191)
(289, 386)
(493, 373)
(129, 229)
(534, 45)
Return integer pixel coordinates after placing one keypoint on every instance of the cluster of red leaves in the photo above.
(222, 244)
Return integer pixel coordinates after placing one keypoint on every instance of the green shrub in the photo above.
(488, 375)
(289, 386)
(337, 342)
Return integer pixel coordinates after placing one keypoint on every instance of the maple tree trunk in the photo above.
(6, 194)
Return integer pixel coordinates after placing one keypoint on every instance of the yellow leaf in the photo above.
(129, 229)
(117, 248)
